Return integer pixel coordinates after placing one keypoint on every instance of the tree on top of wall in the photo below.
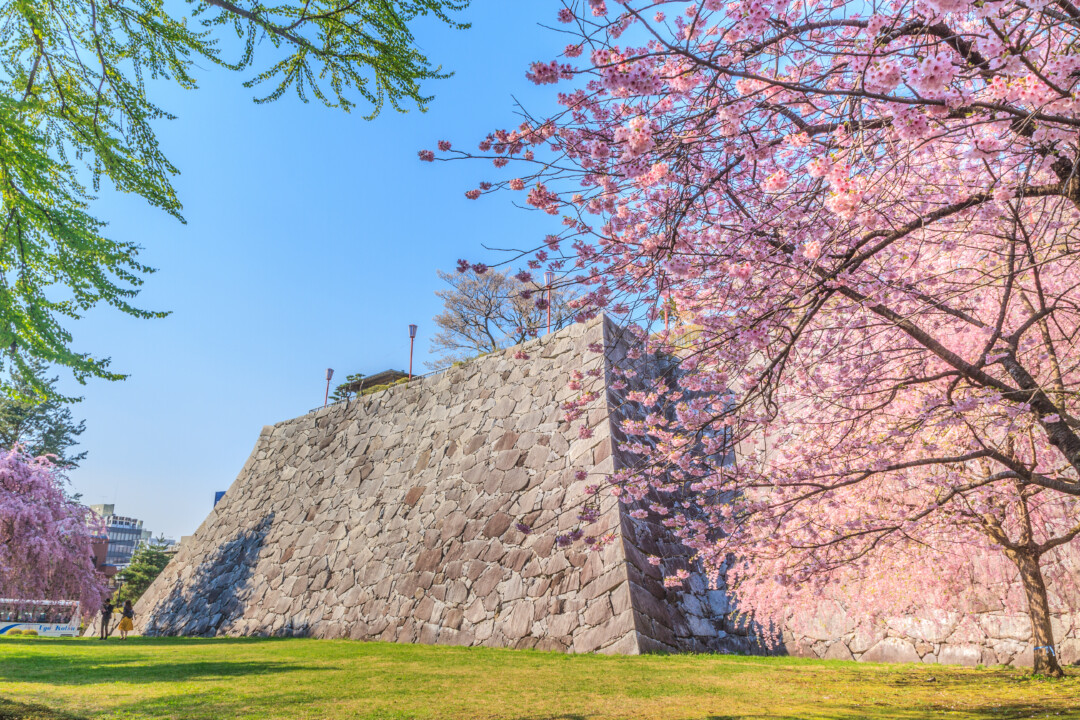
(485, 310)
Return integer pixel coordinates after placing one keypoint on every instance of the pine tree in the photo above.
(146, 564)
(34, 416)
(341, 392)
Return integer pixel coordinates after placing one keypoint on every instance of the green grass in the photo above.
(217, 679)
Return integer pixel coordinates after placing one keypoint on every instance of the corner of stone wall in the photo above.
(392, 518)
(694, 617)
(604, 574)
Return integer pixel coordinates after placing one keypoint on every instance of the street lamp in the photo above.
(549, 278)
(412, 339)
(329, 376)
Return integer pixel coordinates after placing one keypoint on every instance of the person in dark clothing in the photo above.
(106, 617)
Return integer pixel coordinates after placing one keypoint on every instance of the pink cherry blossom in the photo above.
(45, 538)
(855, 238)
(776, 182)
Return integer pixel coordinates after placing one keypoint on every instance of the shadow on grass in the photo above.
(147, 640)
(1017, 711)
(136, 671)
(161, 709)
(23, 711)
(1004, 712)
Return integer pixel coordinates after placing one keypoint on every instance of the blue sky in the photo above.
(312, 241)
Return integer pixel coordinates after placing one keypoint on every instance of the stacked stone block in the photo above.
(990, 637)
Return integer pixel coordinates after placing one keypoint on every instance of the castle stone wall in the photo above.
(393, 517)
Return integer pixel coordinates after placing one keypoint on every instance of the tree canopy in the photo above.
(486, 309)
(46, 538)
(40, 423)
(865, 216)
(147, 562)
(75, 110)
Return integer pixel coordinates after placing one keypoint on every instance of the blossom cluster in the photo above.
(45, 538)
(850, 236)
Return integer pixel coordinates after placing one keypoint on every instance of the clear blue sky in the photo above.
(312, 241)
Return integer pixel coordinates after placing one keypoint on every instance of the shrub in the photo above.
(373, 389)
(29, 633)
(13, 633)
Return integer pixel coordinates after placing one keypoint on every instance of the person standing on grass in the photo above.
(127, 618)
(106, 617)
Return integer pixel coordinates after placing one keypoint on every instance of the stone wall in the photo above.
(991, 637)
(394, 517)
(691, 618)
(701, 617)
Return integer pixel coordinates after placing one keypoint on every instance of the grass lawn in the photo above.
(217, 679)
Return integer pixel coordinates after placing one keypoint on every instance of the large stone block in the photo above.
(590, 639)
(891, 649)
(1011, 627)
(969, 655)
(827, 622)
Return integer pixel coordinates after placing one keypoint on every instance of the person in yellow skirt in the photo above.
(127, 618)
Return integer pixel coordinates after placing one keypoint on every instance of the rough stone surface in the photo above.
(394, 518)
(892, 649)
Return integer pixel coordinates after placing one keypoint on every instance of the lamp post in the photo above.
(412, 340)
(329, 376)
(549, 278)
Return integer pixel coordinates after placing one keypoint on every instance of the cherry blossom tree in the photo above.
(855, 226)
(45, 538)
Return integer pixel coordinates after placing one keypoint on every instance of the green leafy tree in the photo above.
(342, 391)
(41, 422)
(74, 110)
(146, 564)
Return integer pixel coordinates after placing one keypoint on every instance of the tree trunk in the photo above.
(1042, 634)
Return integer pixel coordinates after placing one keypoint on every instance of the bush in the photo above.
(13, 633)
(29, 633)
(373, 389)
(377, 388)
